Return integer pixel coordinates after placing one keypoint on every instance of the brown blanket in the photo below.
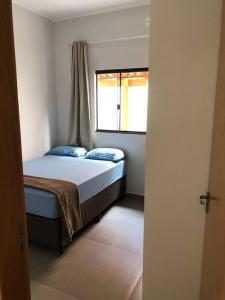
(68, 201)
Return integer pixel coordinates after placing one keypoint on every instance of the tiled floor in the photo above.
(104, 263)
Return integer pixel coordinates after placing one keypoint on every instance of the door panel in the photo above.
(14, 276)
(213, 272)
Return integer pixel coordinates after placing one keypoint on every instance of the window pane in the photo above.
(108, 99)
(134, 99)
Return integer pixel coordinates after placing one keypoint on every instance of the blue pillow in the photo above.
(68, 151)
(108, 154)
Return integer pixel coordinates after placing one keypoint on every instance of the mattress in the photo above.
(90, 176)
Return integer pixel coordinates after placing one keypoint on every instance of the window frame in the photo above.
(127, 70)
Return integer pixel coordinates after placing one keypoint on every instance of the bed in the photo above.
(100, 183)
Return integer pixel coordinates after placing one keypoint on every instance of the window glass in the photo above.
(107, 100)
(134, 98)
(122, 98)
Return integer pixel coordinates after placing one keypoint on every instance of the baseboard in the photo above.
(135, 196)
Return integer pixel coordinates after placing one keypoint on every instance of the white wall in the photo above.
(34, 45)
(126, 54)
(183, 59)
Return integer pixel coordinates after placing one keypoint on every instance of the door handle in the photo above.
(205, 200)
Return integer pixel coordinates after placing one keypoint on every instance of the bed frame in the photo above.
(49, 232)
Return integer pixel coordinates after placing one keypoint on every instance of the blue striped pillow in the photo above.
(109, 154)
(68, 151)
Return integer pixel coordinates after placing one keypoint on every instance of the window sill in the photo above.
(121, 132)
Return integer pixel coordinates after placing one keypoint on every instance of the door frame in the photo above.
(14, 274)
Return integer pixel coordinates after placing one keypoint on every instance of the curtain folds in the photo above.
(80, 123)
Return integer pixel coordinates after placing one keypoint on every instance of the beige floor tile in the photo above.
(131, 204)
(127, 211)
(91, 271)
(137, 292)
(42, 292)
(42, 260)
(120, 230)
(104, 263)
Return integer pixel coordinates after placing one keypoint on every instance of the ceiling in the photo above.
(66, 9)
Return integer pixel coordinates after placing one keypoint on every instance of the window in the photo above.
(121, 100)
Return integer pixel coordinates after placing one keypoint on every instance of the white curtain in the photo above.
(80, 123)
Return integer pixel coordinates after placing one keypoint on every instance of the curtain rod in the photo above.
(117, 40)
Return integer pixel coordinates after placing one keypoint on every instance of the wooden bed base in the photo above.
(49, 232)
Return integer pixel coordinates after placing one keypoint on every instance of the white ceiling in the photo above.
(66, 9)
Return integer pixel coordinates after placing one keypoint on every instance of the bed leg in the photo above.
(60, 237)
(61, 250)
(98, 218)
